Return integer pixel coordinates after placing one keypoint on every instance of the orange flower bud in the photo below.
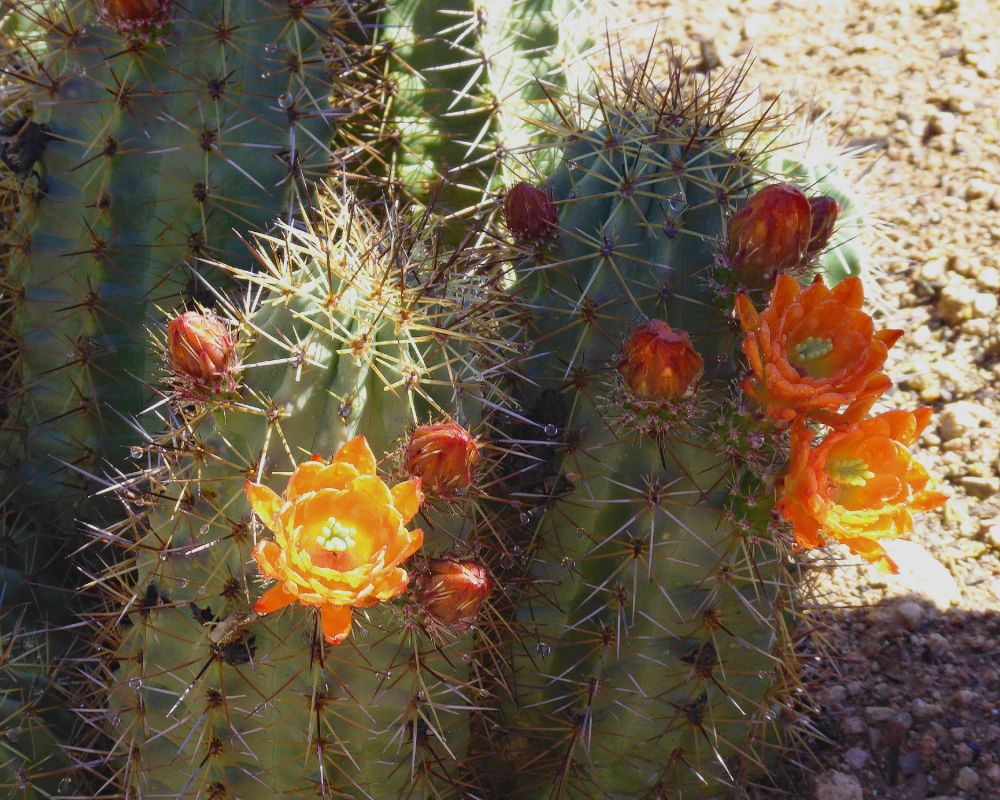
(659, 363)
(202, 350)
(443, 455)
(824, 218)
(859, 485)
(452, 592)
(770, 233)
(531, 214)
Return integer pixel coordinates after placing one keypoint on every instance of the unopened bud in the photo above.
(443, 456)
(659, 363)
(452, 592)
(824, 218)
(770, 233)
(202, 350)
(134, 16)
(531, 214)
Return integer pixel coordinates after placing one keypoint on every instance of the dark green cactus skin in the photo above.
(652, 631)
(203, 707)
(158, 150)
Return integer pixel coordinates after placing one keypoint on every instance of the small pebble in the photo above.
(834, 785)
(968, 780)
(856, 757)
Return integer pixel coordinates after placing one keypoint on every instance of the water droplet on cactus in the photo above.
(163, 555)
(525, 518)
(65, 785)
(13, 734)
(543, 649)
(568, 563)
(79, 69)
(676, 202)
(551, 430)
(204, 530)
(135, 452)
(285, 100)
(265, 75)
(383, 676)
(134, 683)
(270, 48)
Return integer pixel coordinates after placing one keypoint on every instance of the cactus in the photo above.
(465, 80)
(156, 138)
(653, 652)
(359, 330)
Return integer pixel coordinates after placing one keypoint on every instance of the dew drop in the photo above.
(551, 430)
(204, 530)
(525, 518)
(65, 785)
(163, 555)
(270, 48)
(134, 683)
(13, 734)
(676, 202)
(285, 100)
(135, 452)
(467, 658)
(543, 649)
(265, 75)
(568, 563)
(383, 676)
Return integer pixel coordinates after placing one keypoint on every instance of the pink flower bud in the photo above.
(443, 456)
(659, 363)
(770, 234)
(452, 592)
(202, 350)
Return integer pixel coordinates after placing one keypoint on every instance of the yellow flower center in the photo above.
(336, 537)
(811, 348)
(849, 472)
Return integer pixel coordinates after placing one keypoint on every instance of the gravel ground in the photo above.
(908, 692)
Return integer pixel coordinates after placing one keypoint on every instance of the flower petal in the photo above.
(263, 500)
(357, 453)
(407, 497)
(274, 599)
(335, 622)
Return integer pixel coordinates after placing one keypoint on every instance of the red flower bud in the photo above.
(202, 350)
(531, 214)
(443, 456)
(659, 363)
(131, 16)
(770, 233)
(452, 592)
(824, 218)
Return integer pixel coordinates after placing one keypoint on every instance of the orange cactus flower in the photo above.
(859, 485)
(339, 537)
(658, 362)
(814, 351)
(443, 455)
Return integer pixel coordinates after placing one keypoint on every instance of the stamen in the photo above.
(849, 472)
(811, 348)
(336, 537)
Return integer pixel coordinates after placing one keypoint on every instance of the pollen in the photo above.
(336, 537)
(849, 472)
(812, 347)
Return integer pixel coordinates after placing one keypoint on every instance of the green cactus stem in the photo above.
(159, 145)
(653, 634)
(357, 329)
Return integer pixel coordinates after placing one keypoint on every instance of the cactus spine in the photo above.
(358, 330)
(653, 633)
(159, 142)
